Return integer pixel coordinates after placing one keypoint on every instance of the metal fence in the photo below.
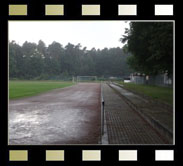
(160, 80)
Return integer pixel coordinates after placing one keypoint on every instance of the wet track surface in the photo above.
(63, 116)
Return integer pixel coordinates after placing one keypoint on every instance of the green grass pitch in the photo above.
(19, 89)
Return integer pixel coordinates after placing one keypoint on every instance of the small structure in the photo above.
(138, 78)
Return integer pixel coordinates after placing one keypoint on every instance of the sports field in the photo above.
(19, 89)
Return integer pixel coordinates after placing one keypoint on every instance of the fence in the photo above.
(160, 80)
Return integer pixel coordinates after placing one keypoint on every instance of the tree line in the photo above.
(151, 46)
(36, 61)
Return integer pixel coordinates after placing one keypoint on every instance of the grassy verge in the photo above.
(163, 94)
(18, 89)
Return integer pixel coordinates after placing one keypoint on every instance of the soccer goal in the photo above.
(86, 78)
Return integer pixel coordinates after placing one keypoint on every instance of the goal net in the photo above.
(86, 78)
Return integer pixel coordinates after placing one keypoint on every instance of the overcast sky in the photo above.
(98, 34)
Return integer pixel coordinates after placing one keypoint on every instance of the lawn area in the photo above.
(18, 89)
(164, 94)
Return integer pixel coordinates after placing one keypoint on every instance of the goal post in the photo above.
(86, 78)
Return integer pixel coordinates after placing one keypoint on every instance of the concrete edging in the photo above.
(104, 134)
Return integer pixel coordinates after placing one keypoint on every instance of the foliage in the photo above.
(151, 45)
(36, 61)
